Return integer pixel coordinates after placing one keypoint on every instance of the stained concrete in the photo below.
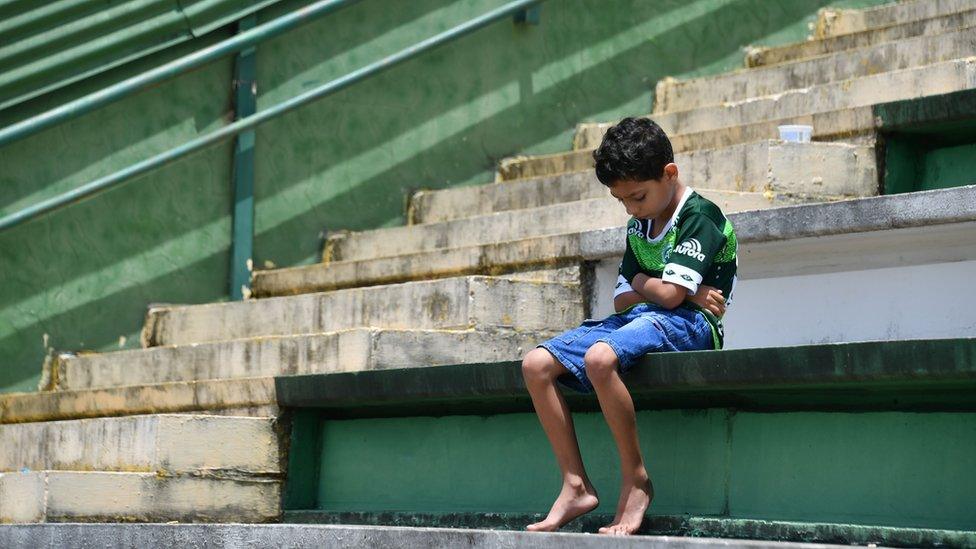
(461, 202)
(217, 397)
(579, 215)
(854, 125)
(171, 444)
(455, 303)
(492, 258)
(857, 92)
(774, 242)
(766, 56)
(678, 95)
(346, 351)
(72, 496)
(234, 536)
(834, 22)
(807, 169)
(835, 110)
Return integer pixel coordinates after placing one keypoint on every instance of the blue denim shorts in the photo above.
(644, 328)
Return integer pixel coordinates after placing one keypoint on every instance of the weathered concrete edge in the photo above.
(344, 536)
(918, 209)
(661, 525)
(109, 496)
(758, 56)
(172, 397)
(900, 211)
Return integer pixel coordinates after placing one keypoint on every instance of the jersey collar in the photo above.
(671, 222)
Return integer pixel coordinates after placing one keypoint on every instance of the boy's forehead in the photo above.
(625, 188)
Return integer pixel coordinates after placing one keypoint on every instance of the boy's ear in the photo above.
(671, 170)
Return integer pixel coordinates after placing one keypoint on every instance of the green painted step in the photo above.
(879, 434)
(906, 375)
(680, 95)
(681, 525)
(765, 56)
(833, 22)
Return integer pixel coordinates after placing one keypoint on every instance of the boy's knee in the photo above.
(601, 361)
(537, 365)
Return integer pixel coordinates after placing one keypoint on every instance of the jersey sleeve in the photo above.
(699, 240)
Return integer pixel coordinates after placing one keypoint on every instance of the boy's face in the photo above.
(647, 199)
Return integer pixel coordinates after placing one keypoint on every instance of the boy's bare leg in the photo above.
(577, 496)
(636, 491)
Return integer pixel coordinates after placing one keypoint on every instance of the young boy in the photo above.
(677, 242)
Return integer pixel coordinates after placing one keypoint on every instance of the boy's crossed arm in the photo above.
(669, 295)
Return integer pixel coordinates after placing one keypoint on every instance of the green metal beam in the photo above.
(174, 68)
(245, 103)
(251, 122)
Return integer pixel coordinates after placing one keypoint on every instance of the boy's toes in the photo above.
(541, 526)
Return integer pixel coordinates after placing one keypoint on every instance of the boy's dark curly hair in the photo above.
(635, 149)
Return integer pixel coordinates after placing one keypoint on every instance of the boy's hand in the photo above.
(709, 298)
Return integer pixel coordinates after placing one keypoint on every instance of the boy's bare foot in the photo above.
(576, 498)
(635, 497)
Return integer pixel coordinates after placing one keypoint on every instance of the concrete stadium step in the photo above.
(485, 259)
(764, 406)
(239, 397)
(767, 56)
(461, 202)
(934, 79)
(569, 248)
(772, 242)
(578, 215)
(833, 22)
(768, 165)
(791, 169)
(842, 123)
(680, 95)
(453, 303)
(347, 351)
(76, 496)
(206, 446)
(497, 227)
(343, 536)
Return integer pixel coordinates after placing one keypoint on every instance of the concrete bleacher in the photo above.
(780, 433)
(841, 413)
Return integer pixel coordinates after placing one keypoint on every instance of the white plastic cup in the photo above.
(796, 134)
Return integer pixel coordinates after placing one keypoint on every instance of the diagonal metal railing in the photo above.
(242, 41)
(244, 124)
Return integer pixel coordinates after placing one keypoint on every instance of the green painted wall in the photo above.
(82, 277)
(949, 167)
(878, 468)
(923, 163)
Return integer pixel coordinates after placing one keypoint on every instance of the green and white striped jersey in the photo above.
(697, 246)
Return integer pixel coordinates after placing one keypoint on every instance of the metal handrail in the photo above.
(275, 111)
(176, 67)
